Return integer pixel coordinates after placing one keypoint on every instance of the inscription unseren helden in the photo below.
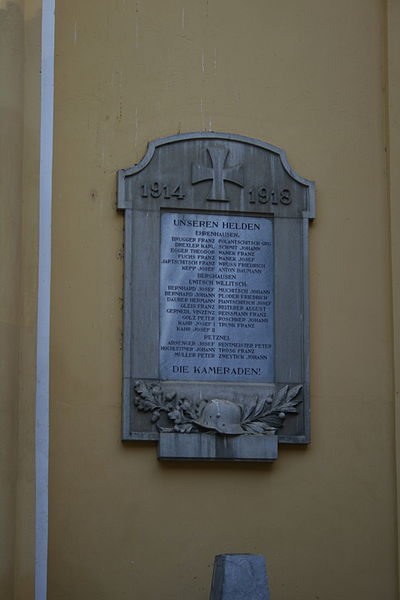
(221, 301)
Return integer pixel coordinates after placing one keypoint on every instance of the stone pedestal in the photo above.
(239, 577)
(210, 446)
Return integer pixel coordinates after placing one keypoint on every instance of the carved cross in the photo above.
(218, 174)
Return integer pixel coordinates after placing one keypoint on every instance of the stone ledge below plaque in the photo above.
(213, 446)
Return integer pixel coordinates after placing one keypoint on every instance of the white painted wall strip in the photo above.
(43, 316)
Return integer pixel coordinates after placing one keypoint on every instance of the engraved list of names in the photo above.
(216, 298)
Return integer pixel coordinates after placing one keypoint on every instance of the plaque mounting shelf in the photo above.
(216, 314)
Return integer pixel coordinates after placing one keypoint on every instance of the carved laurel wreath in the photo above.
(260, 416)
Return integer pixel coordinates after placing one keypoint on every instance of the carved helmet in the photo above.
(223, 416)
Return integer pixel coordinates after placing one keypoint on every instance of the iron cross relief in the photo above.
(218, 174)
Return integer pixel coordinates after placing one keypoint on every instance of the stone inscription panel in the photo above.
(216, 298)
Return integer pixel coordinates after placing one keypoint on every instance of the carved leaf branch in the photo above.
(262, 416)
(151, 398)
(180, 410)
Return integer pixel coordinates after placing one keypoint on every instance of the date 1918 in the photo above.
(262, 195)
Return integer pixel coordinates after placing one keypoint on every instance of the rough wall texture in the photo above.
(309, 77)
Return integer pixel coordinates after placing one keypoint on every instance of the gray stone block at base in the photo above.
(239, 577)
(209, 446)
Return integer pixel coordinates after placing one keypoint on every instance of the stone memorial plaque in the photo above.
(216, 338)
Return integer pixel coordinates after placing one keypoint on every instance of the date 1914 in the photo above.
(163, 190)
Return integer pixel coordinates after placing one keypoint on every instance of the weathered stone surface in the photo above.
(239, 577)
(209, 446)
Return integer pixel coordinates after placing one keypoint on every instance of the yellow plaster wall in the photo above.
(19, 165)
(25, 505)
(307, 76)
(393, 137)
(11, 70)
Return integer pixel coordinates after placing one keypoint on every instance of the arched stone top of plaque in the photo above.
(245, 173)
(216, 316)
